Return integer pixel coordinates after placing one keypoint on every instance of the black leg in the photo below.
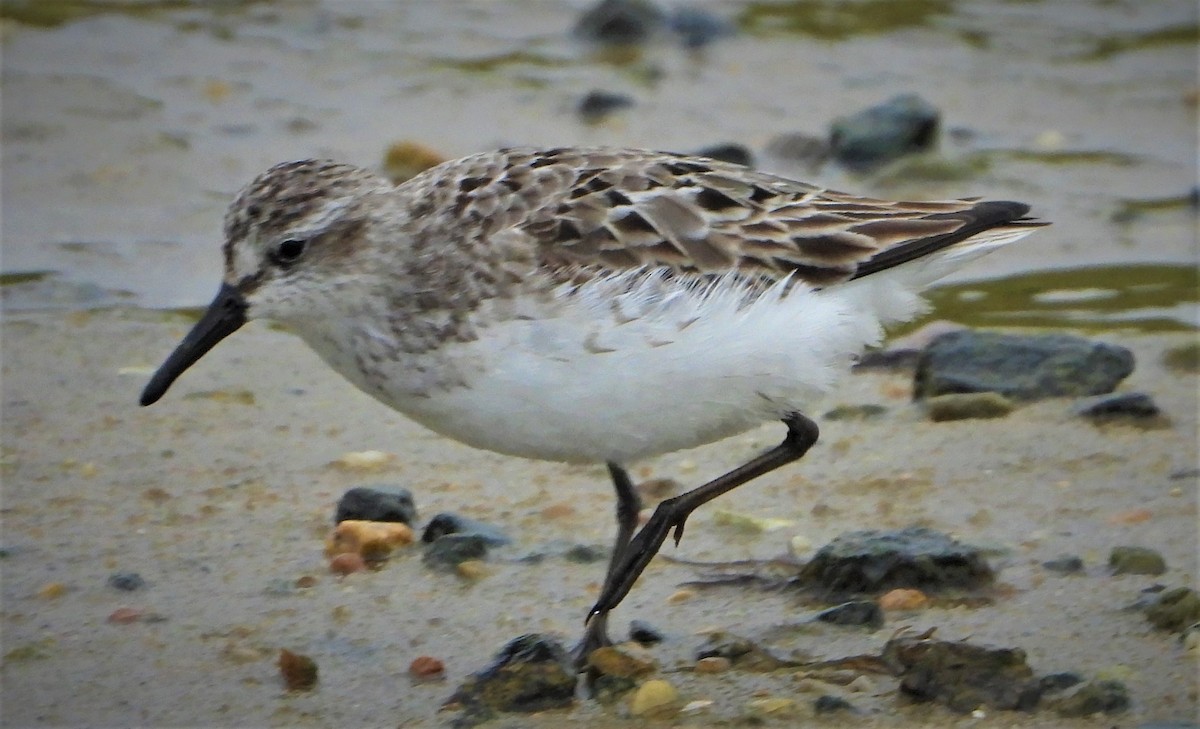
(629, 505)
(673, 513)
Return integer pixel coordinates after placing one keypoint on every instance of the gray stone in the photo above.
(377, 503)
(876, 561)
(902, 125)
(1019, 367)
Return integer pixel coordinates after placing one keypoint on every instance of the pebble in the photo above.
(531, 673)
(299, 671)
(770, 706)
(642, 632)
(449, 551)
(472, 569)
(655, 699)
(451, 523)
(713, 664)
(1128, 560)
(406, 159)
(681, 595)
(620, 22)
(961, 675)
(364, 461)
(732, 153)
(629, 660)
(904, 599)
(856, 612)
(1175, 609)
(1021, 367)
(597, 104)
(52, 590)
(370, 503)
(968, 406)
(125, 616)
(371, 540)
(127, 581)
(902, 125)
(347, 563)
(828, 704)
(874, 561)
(1067, 564)
(1117, 406)
(697, 27)
(427, 668)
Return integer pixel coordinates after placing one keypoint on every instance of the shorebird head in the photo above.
(288, 236)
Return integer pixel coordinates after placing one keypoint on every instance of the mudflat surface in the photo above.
(220, 497)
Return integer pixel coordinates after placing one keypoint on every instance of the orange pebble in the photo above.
(125, 616)
(1132, 516)
(368, 539)
(426, 667)
(347, 563)
(903, 599)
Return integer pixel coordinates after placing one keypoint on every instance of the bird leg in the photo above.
(630, 559)
(629, 505)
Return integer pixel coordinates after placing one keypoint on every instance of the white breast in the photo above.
(633, 366)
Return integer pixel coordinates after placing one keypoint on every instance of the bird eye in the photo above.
(289, 250)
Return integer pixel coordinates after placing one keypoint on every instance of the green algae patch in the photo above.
(1105, 48)
(839, 21)
(24, 277)
(1148, 299)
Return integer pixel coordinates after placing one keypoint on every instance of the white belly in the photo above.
(617, 374)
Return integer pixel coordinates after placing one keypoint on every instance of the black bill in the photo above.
(225, 315)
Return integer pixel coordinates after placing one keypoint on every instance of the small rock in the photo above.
(1175, 609)
(828, 704)
(683, 594)
(622, 661)
(125, 616)
(347, 563)
(855, 412)
(962, 676)
(427, 668)
(1055, 682)
(368, 503)
(127, 581)
(875, 561)
(1067, 564)
(586, 553)
(1019, 367)
(405, 160)
(856, 612)
(713, 664)
(902, 125)
(1118, 406)
(299, 672)
(453, 549)
(52, 590)
(620, 22)
(732, 153)
(471, 569)
(903, 599)
(1094, 697)
(901, 359)
(770, 706)
(1136, 561)
(598, 104)
(531, 673)
(655, 699)
(364, 461)
(371, 540)
(741, 652)
(450, 523)
(644, 633)
(968, 405)
(697, 27)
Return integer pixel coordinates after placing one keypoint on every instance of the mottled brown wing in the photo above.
(622, 209)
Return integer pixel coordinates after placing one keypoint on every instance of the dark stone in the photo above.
(1136, 561)
(1055, 682)
(902, 125)
(600, 103)
(620, 22)
(962, 676)
(697, 27)
(1068, 564)
(741, 652)
(1019, 367)
(1174, 609)
(888, 360)
(855, 412)
(876, 561)
(370, 503)
(828, 704)
(127, 581)
(1122, 405)
(447, 553)
(645, 633)
(733, 153)
(586, 553)
(531, 673)
(1094, 697)
(450, 523)
(855, 612)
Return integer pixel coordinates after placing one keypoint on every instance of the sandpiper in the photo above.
(587, 305)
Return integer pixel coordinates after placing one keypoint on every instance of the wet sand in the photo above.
(220, 496)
